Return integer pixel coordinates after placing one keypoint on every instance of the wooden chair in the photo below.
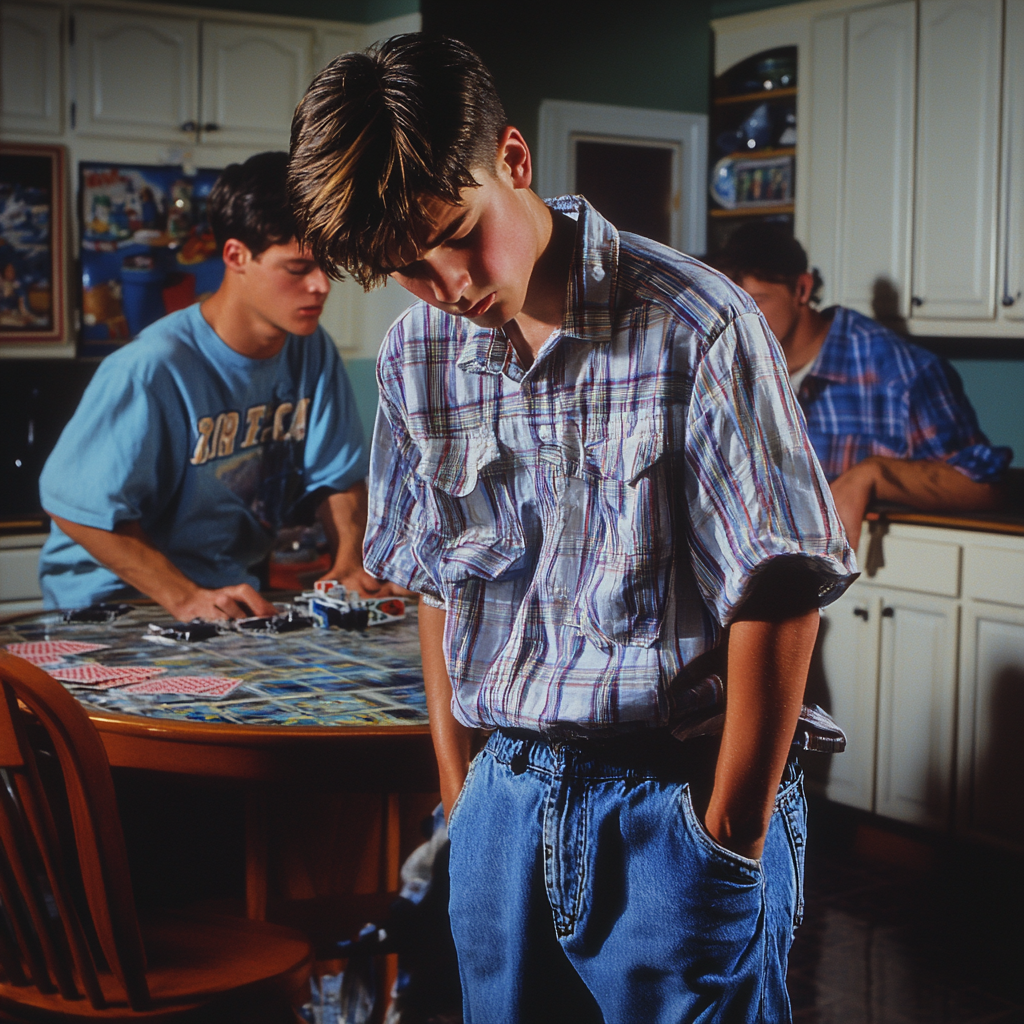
(72, 946)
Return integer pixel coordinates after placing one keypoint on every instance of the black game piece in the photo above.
(96, 613)
(254, 624)
(190, 632)
(289, 622)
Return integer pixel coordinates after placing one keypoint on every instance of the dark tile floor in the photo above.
(936, 939)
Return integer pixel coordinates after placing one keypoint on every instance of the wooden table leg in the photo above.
(256, 853)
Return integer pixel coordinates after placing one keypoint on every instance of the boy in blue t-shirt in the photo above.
(216, 426)
(590, 464)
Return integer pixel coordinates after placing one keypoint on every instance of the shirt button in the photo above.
(597, 273)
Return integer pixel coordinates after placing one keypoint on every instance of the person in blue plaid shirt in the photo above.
(889, 421)
(589, 462)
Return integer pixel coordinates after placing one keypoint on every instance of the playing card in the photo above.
(199, 686)
(51, 652)
(105, 676)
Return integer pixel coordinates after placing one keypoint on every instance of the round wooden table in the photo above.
(324, 708)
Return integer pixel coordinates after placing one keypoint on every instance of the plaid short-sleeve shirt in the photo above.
(591, 524)
(870, 392)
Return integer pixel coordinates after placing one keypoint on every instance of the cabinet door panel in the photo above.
(136, 75)
(1011, 299)
(917, 693)
(990, 803)
(30, 73)
(878, 156)
(824, 175)
(844, 680)
(253, 78)
(957, 151)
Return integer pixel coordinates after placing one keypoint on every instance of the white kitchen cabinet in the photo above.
(30, 69)
(1011, 298)
(844, 680)
(136, 75)
(922, 664)
(955, 201)
(916, 708)
(990, 792)
(253, 78)
(19, 573)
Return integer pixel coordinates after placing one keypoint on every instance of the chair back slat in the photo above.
(36, 807)
(28, 871)
(10, 963)
(21, 926)
(10, 752)
(99, 840)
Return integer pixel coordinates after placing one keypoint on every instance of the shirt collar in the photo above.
(589, 294)
(830, 363)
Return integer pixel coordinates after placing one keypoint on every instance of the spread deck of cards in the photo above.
(328, 659)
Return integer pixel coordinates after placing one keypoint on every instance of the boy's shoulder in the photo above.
(652, 273)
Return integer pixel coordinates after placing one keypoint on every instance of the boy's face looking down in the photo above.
(476, 259)
(282, 287)
(780, 302)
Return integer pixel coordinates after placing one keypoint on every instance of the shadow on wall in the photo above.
(885, 306)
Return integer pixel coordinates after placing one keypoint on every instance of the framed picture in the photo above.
(743, 182)
(146, 250)
(33, 293)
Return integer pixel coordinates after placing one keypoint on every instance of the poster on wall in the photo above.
(32, 285)
(146, 250)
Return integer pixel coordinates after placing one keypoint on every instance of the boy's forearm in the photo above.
(452, 740)
(768, 663)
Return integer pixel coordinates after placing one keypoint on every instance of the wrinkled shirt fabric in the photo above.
(870, 392)
(592, 523)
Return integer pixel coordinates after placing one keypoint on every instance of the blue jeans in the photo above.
(585, 889)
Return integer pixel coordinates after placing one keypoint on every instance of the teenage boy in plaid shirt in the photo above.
(589, 462)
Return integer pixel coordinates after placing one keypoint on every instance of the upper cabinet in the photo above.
(954, 267)
(30, 69)
(253, 78)
(911, 158)
(136, 75)
(172, 79)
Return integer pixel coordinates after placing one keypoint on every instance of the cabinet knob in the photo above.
(861, 613)
(916, 300)
(189, 126)
(1009, 300)
(888, 613)
(211, 127)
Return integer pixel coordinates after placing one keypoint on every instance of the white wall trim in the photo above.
(561, 120)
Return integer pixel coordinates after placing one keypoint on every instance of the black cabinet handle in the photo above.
(916, 300)
(189, 126)
(1009, 300)
(211, 127)
(861, 613)
(888, 613)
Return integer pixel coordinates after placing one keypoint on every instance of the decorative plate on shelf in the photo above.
(749, 182)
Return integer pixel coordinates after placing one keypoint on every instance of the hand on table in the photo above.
(359, 580)
(237, 602)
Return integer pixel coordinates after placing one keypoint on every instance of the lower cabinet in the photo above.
(925, 674)
(19, 573)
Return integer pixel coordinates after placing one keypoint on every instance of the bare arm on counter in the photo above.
(924, 484)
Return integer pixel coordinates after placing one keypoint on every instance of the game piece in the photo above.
(97, 613)
(329, 613)
(190, 632)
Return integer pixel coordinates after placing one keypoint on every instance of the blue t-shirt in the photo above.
(208, 450)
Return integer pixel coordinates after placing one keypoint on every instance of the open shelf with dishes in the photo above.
(752, 165)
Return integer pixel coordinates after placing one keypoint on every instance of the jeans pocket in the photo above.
(748, 869)
(459, 801)
(791, 805)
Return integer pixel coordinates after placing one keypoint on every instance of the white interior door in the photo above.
(917, 697)
(954, 273)
(30, 71)
(136, 75)
(253, 78)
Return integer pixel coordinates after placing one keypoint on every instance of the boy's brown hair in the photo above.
(375, 134)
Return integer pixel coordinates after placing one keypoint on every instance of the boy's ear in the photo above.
(514, 158)
(236, 254)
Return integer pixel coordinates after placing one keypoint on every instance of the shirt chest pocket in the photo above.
(626, 562)
(469, 493)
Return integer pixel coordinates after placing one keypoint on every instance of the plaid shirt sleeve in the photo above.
(942, 421)
(755, 489)
(395, 505)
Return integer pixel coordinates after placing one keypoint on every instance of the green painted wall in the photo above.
(361, 11)
(655, 54)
